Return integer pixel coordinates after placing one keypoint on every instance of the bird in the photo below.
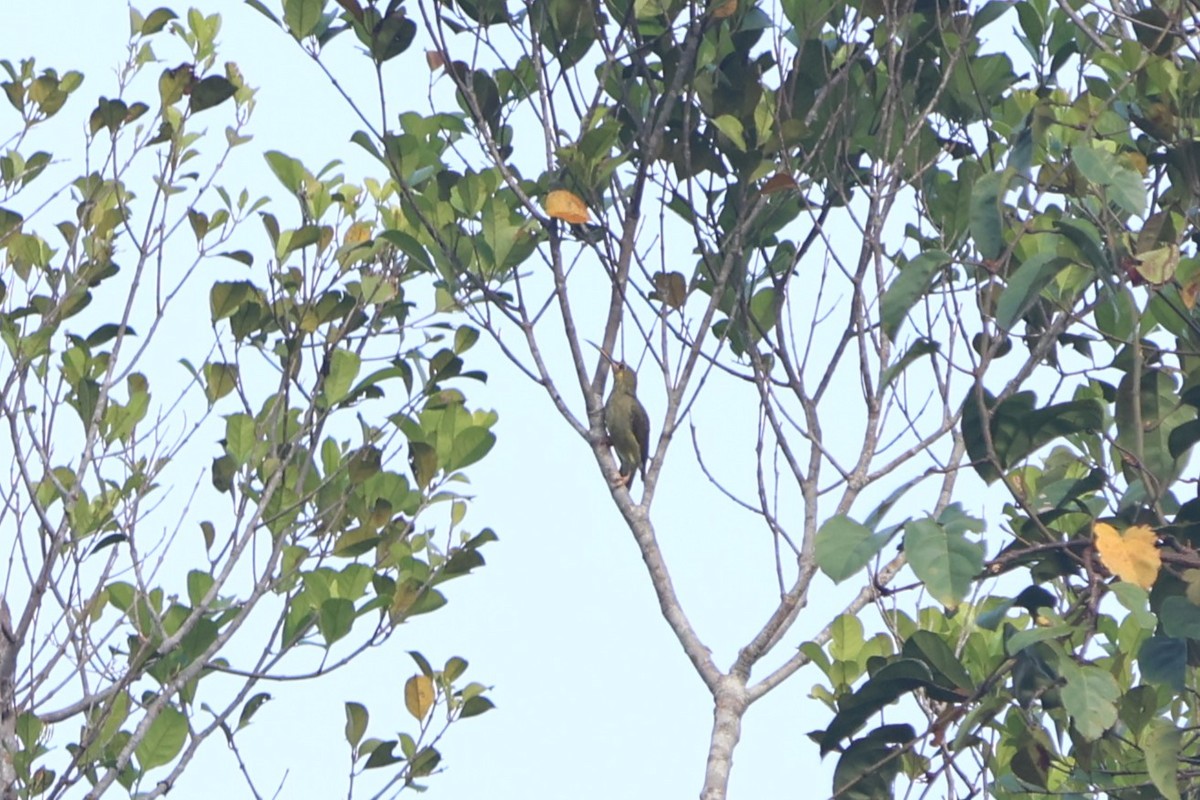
(627, 422)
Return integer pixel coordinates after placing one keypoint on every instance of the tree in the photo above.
(202, 505)
(920, 254)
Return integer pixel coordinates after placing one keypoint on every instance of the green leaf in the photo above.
(240, 437)
(290, 172)
(343, 369)
(336, 619)
(302, 16)
(843, 547)
(1180, 618)
(885, 687)
(1025, 286)
(219, 380)
(920, 348)
(731, 126)
(156, 20)
(469, 447)
(1090, 697)
(1162, 660)
(225, 298)
(987, 213)
(933, 650)
(1161, 742)
(356, 722)
(1122, 185)
(198, 584)
(163, 740)
(908, 288)
(868, 767)
(250, 708)
(947, 563)
(212, 91)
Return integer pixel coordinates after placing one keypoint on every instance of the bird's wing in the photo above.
(641, 432)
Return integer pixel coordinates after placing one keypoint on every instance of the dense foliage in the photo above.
(934, 240)
(235, 455)
(944, 253)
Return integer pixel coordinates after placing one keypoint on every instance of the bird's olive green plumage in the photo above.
(627, 423)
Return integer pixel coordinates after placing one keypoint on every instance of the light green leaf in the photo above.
(1090, 697)
(945, 561)
(301, 16)
(343, 369)
(163, 740)
(1161, 742)
(844, 547)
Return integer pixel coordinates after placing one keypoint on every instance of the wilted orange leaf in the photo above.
(418, 695)
(1132, 556)
(721, 10)
(779, 182)
(1188, 293)
(434, 59)
(567, 206)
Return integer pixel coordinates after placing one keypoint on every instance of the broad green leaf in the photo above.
(212, 91)
(225, 298)
(1025, 286)
(843, 547)
(987, 213)
(343, 370)
(164, 739)
(1090, 697)
(1161, 742)
(302, 16)
(219, 380)
(240, 437)
(290, 172)
(1162, 660)
(469, 447)
(885, 687)
(907, 289)
(1122, 185)
(336, 619)
(947, 563)
(934, 651)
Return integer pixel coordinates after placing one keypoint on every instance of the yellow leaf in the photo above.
(357, 233)
(1132, 556)
(418, 695)
(567, 206)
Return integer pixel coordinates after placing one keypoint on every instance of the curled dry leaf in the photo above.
(1132, 556)
(670, 288)
(567, 206)
(779, 182)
